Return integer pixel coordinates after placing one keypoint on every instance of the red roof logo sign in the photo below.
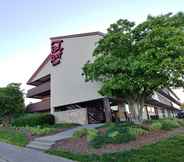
(56, 52)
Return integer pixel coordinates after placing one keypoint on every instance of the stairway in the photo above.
(40, 144)
(46, 142)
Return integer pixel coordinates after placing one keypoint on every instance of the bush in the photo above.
(180, 122)
(137, 131)
(80, 133)
(155, 126)
(168, 124)
(98, 141)
(117, 133)
(89, 133)
(34, 120)
(39, 130)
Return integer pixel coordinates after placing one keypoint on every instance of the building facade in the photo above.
(62, 90)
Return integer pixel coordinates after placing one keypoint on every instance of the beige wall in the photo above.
(67, 84)
(72, 116)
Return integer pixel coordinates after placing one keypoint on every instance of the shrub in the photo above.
(155, 126)
(39, 130)
(168, 124)
(80, 133)
(34, 120)
(127, 136)
(180, 122)
(98, 141)
(91, 134)
(118, 133)
(137, 131)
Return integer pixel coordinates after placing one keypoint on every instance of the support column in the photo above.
(163, 112)
(173, 113)
(52, 110)
(156, 111)
(107, 108)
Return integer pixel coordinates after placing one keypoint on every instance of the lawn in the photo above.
(12, 136)
(169, 150)
(21, 136)
(44, 130)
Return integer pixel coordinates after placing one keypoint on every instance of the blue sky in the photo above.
(25, 26)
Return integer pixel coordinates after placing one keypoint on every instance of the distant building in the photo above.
(62, 89)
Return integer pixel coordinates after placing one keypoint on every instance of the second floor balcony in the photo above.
(39, 91)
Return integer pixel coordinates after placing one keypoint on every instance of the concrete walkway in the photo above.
(68, 133)
(44, 143)
(11, 153)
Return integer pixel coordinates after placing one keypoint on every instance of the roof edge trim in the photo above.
(78, 35)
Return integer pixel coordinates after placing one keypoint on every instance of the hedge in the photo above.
(34, 119)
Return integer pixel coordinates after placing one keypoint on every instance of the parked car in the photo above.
(180, 114)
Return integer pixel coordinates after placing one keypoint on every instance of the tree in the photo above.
(132, 61)
(11, 101)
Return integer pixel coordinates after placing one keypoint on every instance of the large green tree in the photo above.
(132, 61)
(11, 101)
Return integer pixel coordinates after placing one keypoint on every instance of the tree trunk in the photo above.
(121, 109)
(107, 107)
(136, 109)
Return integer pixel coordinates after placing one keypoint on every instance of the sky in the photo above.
(26, 26)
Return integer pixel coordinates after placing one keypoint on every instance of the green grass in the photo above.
(64, 125)
(46, 129)
(40, 131)
(13, 136)
(169, 150)
(18, 135)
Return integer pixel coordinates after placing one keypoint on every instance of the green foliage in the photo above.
(11, 100)
(168, 124)
(89, 133)
(40, 130)
(159, 152)
(34, 120)
(74, 156)
(155, 126)
(92, 134)
(80, 133)
(180, 122)
(64, 125)
(13, 136)
(132, 61)
(164, 124)
(117, 133)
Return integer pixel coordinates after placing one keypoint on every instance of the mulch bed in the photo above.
(81, 145)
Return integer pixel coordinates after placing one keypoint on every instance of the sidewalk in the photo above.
(11, 153)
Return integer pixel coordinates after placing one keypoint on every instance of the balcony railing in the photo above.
(39, 91)
(42, 106)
